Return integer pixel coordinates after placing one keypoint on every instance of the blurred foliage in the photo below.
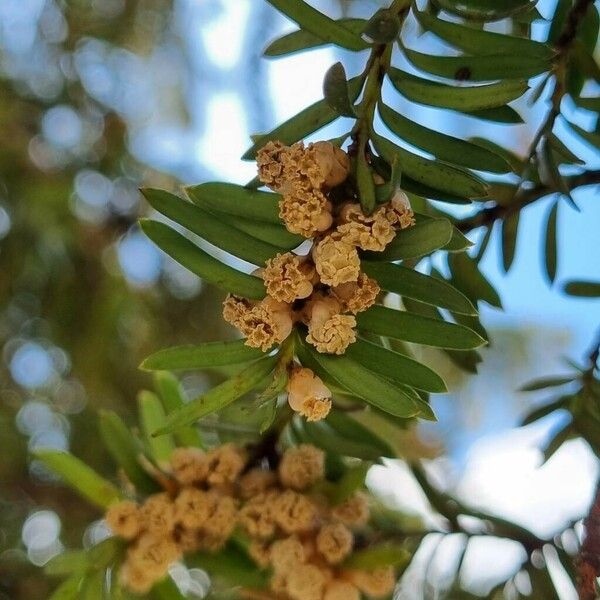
(69, 199)
(62, 287)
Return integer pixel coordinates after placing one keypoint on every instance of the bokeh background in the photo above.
(100, 97)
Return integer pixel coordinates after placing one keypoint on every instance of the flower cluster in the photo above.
(326, 288)
(307, 394)
(201, 514)
(302, 539)
(292, 528)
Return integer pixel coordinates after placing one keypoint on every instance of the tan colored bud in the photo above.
(257, 516)
(357, 296)
(333, 335)
(399, 211)
(124, 519)
(287, 554)
(334, 542)
(306, 582)
(255, 482)
(236, 310)
(308, 395)
(333, 162)
(378, 583)
(269, 160)
(221, 522)
(193, 507)
(155, 553)
(341, 590)
(158, 514)
(136, 578)
(302, 466)
(369, 232)
(190, 465)
(305, 211)
(289, 277)
(265, 323)
(336, 261)
(354, 512)
(225, 463)
(294, 513)
(260, 553)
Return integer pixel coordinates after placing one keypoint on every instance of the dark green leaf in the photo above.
(173, 398)
(304, 40)
(201, 263)
(545, 383)
(68, 590)
(545, 410)
(67, 563)
(219, 396)
(549, 171)
(276, 235)
(125, 451)
(501, 114)
(592, 104)
(167, 590)
(391, 398)
(562, 154)
(201, 356)
(442, 146)
(237, 200)
(486, 10)
(480, 68)
(383, 26)
(591, 138)
(212, 228)
(510, 157)
(479, 42)
(351, 481)
(322, 435)
(402, 325)
(385, 191)
(550, 244)
(467, 360)
(395, 366)
(348, 427)
(152, 418)
(408, 282)
(311, 20)
(421, 239)
(93, 586)
(375, 557)
(510, 229)
(467, 277)
(366, 186)
(557, 440)
(420, 189)
(308, 121)
(582, 288)
(471, 98)
(335, 90)
(588, 428)
(558, 20)
(83, 479)
(458, 242)
(230, 565)
(435, 174)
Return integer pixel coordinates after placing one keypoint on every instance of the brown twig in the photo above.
(488, 216)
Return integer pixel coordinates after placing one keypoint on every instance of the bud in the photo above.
(333, 162)
(308, 395)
